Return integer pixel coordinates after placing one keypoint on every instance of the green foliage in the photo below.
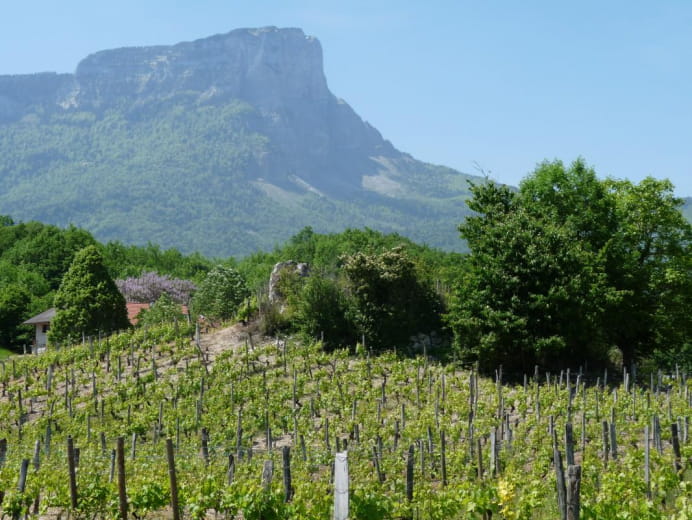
(322, 311)
(530, 292)
(35, 256)
(687, 209)
(390, 302)
(298, 387)
(220, 294)
(324, 304)
(324, 252)
(14, 303)
(99, 169)
(88, 301)
(652, 261)
(131, 261)
(48, 250)
(164, 310)
(568, 267)
(272, 319)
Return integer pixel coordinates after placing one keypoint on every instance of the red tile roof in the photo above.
(133, 309)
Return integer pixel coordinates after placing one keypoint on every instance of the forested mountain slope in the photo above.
(224, 145)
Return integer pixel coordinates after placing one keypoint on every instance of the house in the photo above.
(42, 323)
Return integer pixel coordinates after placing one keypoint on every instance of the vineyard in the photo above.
(253, 429)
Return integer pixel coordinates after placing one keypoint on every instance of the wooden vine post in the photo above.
(288, 487)
(205, 445)
(3, 452)
(21, 486)
(122, 492)
(573, 487)
(72, 473)
(647, 462)
(560, 479)
(569, 444)
(443, 456)
(267, 474)
(23, 469)
(409, 475)
(173, 479)
(675, 439)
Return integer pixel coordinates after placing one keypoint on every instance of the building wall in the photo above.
(42, 334)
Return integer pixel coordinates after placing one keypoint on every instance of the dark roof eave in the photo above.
(44, 317)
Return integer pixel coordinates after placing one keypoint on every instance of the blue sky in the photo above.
(496, 85)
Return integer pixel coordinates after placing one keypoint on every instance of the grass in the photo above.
(5, 353)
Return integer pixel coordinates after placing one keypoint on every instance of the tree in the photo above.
(391, 304)
(88, 301)
(564, 269)
(14, 304)
(221, 293)
(530, 293)
(653, 264)
(49, 250)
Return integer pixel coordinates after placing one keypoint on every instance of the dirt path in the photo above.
(216, 342)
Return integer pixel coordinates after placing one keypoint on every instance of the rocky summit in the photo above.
(224, 145)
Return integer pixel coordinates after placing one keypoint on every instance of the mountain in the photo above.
(223, 145)
(687, 208)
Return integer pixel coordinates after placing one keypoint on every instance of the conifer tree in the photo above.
(88, 301)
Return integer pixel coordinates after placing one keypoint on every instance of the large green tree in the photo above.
(49, 250)
(87, 301)
(652, 262)
(569, 266)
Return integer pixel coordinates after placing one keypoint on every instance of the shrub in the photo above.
(220, 294)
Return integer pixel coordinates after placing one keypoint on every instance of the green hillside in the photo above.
(190, 158)
(187, 177)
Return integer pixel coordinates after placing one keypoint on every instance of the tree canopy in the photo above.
(568, 267)
(220, 293)
(34, 257)
(390, 302)
(88, 301)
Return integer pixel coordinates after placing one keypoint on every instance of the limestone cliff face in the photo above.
(20, 93)
(268, 67)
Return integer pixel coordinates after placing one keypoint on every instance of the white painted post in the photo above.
(341, 486)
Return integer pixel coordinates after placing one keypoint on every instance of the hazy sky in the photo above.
(489, 84)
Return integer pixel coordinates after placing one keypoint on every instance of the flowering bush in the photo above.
(149, 286)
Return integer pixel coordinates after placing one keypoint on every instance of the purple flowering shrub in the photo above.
(148, 287)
